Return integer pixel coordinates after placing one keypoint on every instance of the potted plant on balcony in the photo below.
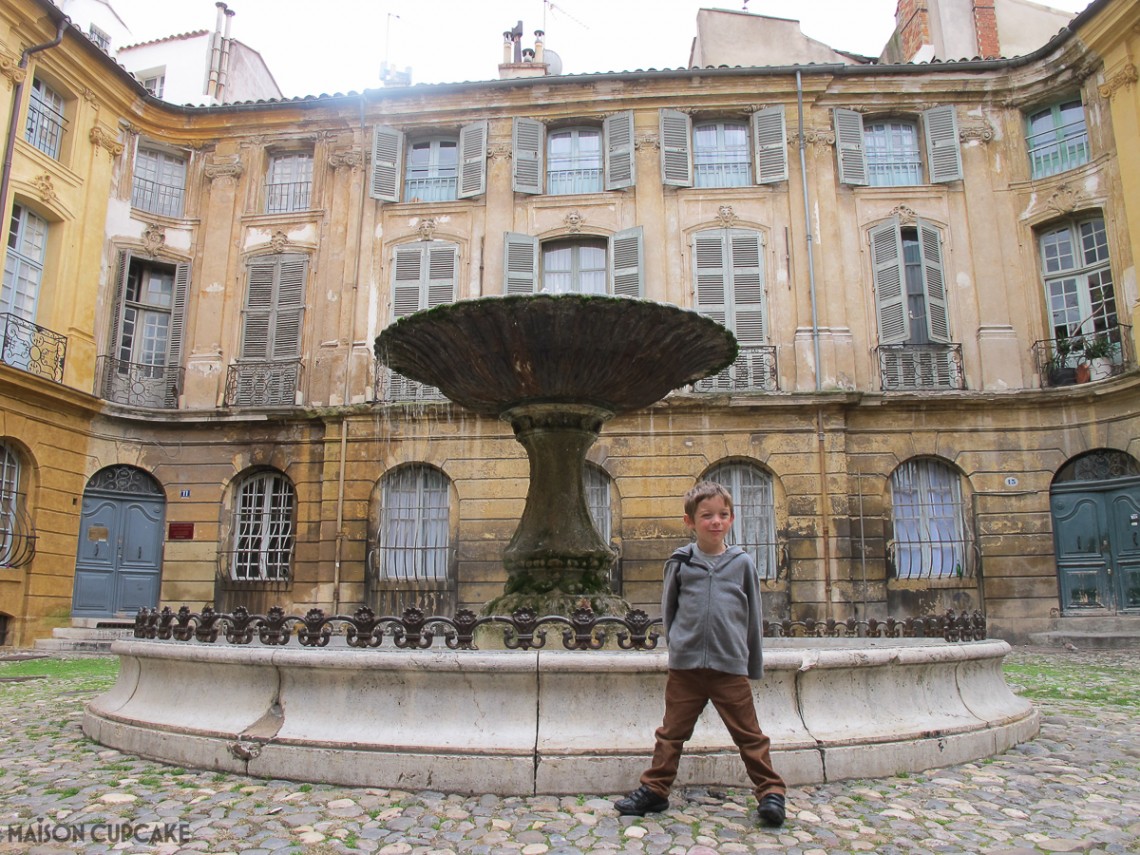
(1058, 370)
(1098, 353)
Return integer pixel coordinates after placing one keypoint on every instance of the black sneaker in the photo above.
(640, 802)
(771, 809)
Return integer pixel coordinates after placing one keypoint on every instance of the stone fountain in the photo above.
(346, 707)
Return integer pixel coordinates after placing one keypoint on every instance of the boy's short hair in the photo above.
(705, 490)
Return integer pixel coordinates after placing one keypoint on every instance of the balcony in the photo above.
(920, 367)
(1084, 358)
(45, 127)
(284, 198)
(753, 371)
(32, 348)
(138, 385)
(156, 198)
(391, 387)
(263, 384)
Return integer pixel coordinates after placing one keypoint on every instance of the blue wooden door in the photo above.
(1096, 532)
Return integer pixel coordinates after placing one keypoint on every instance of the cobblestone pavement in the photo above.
(1076, 788)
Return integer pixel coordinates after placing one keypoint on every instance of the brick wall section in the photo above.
(912, 22)
(985, 26)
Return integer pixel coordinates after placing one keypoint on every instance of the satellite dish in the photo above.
(553, 61)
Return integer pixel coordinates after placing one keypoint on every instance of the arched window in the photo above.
(929, 521)
(263, 527)
(574, 267)
(17, 538)
(597, 483)
(413, 542)
(754, 526)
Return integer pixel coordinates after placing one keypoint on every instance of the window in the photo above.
(575, 266)
(724, 153)
(17, 537)
(45, 119)
(424, 276)
(159, 182)
(155, 84)
(1058, 139)
(884, 152)
(597, 485)
(910, 292)
(754, 511)
(572, 160)
(929, 523)
(263, 528)
(1078, 279)
(99, 37)
(289, 184)
(437, 169)
(146, 334)
(269, 368)
(22, 343)
(414, 538)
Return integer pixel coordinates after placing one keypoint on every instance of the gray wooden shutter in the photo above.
(890, 283)
(258, 309)
(275, 306)
(769, 138)
(934, 282)
(942, 150)
(177, 333)
(473, 160)
(520, 264)
(387, 157)
(627, 264)
(407, 280)
(528, 141)
(442, 269)
(676, 149)
(747, 271)
(424, 277)
(621, 162)
(849, 148)
(290, 312)
(121, 270)
(711, 275)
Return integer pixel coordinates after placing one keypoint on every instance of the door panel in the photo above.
(1079, 535)
(1124, 540)
(118, 567)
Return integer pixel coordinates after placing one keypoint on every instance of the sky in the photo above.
(315, 47)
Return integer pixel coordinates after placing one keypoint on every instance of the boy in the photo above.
(713, 628)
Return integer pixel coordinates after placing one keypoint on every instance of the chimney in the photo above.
(912, 23)
(216, 52)
(518, 62)
(539, 54)
(224, 68)
(985, 28)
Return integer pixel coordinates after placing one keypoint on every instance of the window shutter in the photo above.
(120, 301)
(406, 280)
(942, 150)
(710, 275)
(934, 282)
(177, 332)
(528, 139)
(627, 264)
(769, 137)
(387, 155)
(290, 306)
(441, 279)
(747, 271)
(621, 166)
(890, 279)
(258, 310)
(849, 148)
(473, 160)
(521, 264)
(676, 149)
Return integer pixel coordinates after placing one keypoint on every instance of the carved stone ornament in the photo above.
(279, 241)
(426, 228)
(230, 171)
(102, 138)
(45, 187)
(905, 215)
(983, 132)
(498, 152)
(819, 137)
(573, 222)
(349, 158)
(153, 238)
(89, 97)
(726, 216)
(1065, 200)
(10, 68)
(1124, 78)
(648, 142)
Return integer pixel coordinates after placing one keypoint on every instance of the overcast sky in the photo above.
(327, 46)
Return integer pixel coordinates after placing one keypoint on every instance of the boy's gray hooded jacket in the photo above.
(713, 618)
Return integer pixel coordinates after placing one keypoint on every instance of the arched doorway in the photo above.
(1095, 503)
(118, 562)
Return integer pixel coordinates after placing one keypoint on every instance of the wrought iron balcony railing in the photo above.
(391, 387)
(139, 385)
(292, 196)
(164, 199)
(1084, 358)
(263, 384)
(17, 532)
(32, 348)
(753, 371)
(912, 367)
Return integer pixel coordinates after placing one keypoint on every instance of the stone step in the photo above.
(1086, 640)
(83, 640)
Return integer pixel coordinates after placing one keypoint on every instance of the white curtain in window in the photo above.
(414, 536)
(754, 526)
(926, 500)
(263, 528)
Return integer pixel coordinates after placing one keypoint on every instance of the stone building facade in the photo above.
(930, 270)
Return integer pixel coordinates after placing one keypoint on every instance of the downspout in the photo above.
(14, 119)
(340, 538)
(821, 448)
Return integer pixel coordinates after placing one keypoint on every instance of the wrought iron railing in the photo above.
(437, 189)
(906, 367)
(282, 198)
(391, 387)
(1058, 149)
(32, 348)
(753, 370)
(1084, 358)
(17, 533)
(137, 384)
(561, 182)
(45, 127)
(525, 629)
(263, 384)
(165, 199)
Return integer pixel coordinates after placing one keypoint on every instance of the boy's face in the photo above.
(711, 521)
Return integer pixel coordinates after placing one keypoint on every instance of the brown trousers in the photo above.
(686, 694)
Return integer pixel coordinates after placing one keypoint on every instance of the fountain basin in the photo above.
(545, 721)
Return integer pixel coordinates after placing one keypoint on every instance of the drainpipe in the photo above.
(821, 448)
(14, 119)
